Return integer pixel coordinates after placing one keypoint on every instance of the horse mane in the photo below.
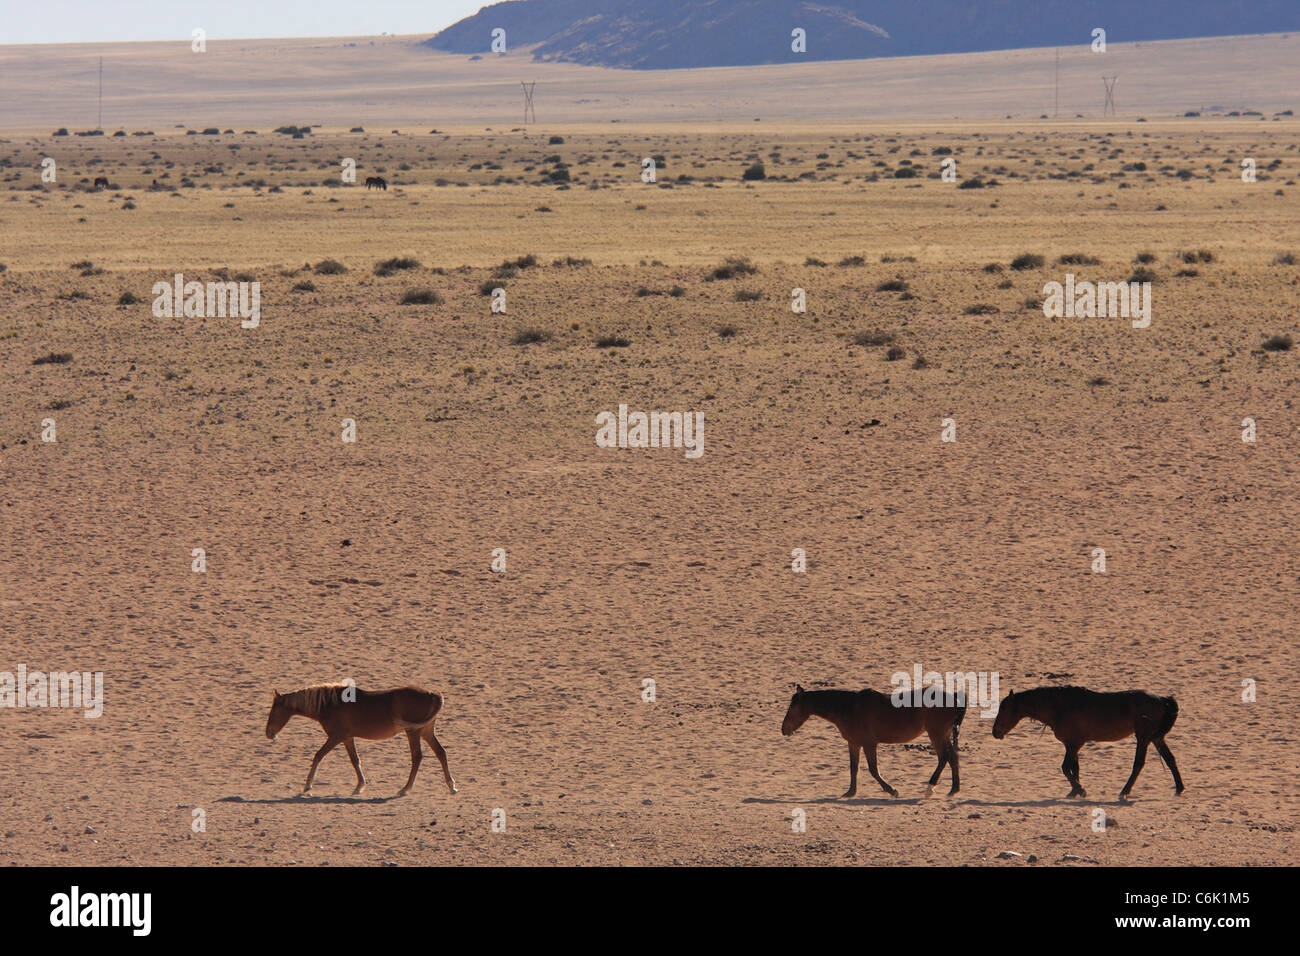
(310, 701)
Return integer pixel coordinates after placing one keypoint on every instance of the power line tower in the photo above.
(530, 114)
(1110, 96)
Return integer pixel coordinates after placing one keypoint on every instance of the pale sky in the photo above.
(112, 21)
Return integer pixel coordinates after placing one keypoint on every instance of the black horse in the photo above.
(101, 182)
(377, 182)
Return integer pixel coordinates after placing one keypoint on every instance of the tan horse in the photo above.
(346, 712)
(866, 718)
(1078, 715)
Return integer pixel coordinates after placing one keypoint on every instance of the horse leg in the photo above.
(853, 769)
(870, 750)
(952, 762)
(329, 745)
(1139, 759)
(1070, 767)
(356, 764)
(1168, 756)
(941, 750)
(442, 757)
(413, 738)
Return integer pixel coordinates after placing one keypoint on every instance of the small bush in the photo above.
(873, 338)
(612, 342)
(1027, 260)
(421, 297)
(726, 331)
(1277, 343)
(1142, 275)
(892, 285)
(895, 353)
(754, 172)
(306, 285)
(848, 261)
(1281, 259)
(53, 358)
(1145, 258)
(390, 266)
(329, 267)
(1078, 259)
(981, 309)
(530, 336)
(732, 267)
(128, 298)
(748, 295)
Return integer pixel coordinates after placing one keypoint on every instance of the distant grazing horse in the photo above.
(101, 182)
(1078, 715)
(866, 717)
(376, 182)
(372, 715)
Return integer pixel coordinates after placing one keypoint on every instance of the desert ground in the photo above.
(371, 560)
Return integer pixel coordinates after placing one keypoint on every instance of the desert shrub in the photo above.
(1077, 259)
(53, 358)
(754, 172)
(612, 342)
(1027, 260)
(421, 297)
(873, 338)
(895, 353)
(892, 285)
(1277, 343)
(128, 298)
(732, 267)
(390, 266)
(329, 267)
(748, 295)
(530, 336)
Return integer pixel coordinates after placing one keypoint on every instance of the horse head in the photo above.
(796, 714)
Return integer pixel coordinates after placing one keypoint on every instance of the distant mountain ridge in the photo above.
(676, 34)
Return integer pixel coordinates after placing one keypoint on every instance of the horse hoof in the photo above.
(929, 790)
(952, 792)
(893, 792)
(358, 790)
(404, 791)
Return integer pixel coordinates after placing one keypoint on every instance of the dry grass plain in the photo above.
(371, 560)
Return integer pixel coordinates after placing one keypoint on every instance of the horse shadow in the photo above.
(846, 801)
(300, 798)
(1049, 802)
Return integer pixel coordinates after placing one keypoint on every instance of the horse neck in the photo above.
(832, 705)
(1037, 707)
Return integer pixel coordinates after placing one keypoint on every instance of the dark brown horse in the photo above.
(866, 718)
(346, 712)
(1078, 715)
(101, 182)
(376, 182)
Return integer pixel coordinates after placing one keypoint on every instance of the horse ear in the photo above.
(798, 689)
(276, 693)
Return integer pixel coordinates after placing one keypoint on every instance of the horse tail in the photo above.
(1171, 714)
